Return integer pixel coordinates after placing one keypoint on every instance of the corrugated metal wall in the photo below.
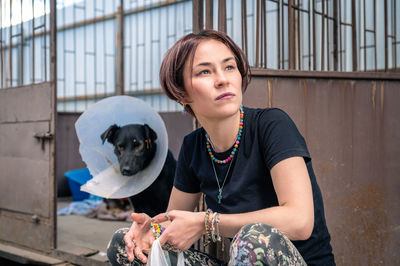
(352, 128)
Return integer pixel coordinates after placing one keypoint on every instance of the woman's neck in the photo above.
(222, 132)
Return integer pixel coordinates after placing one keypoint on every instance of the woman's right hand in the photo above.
(139, 238)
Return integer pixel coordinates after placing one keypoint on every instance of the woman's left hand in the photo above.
(184, 230)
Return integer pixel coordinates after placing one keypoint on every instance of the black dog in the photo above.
(135, 148)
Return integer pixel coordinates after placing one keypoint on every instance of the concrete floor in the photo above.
(80, 231)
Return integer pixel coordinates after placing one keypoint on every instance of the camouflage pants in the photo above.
(254, 244)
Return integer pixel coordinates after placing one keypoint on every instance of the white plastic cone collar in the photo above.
(100, 159)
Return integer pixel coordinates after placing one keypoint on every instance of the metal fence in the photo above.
(115, 47)
(309, 35)
(24, 42)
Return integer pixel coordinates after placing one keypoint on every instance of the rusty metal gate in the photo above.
(27, 125)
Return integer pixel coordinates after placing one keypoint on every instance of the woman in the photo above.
(252, 165)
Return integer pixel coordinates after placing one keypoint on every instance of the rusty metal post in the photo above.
(53, 81)
(33, 42)
(197, 6)
(21, 55)
(323, 36)
(209, 14)
(291, 40)
(120, 49)
(244, 27)
(263, 36)
(257, 34)
(9, 73)
(53, 43)
(335, 35)
(386, 37)
(222, 15)
(354, 34)
(1, 50)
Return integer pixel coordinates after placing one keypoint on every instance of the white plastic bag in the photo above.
(157, 257)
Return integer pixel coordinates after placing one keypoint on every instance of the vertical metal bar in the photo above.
(297, 34)
(314, 41)
(335, 35)
(244, 27)
(53, 80)
(262, 34)
(394, 41)
(75, 59)
(375, 58)
(33, 41)
(21, 55)
(323, 36)
(85, 57)
(197, 15)
(64, 64)
(45, 41)
(9, 83)
(386, 36)
(222, 15)
(309, 34)
(278, 19)
(327, 18)
(1, 49)
(339, 23)
(354, 34)
(291, 40)
(365, 37)
(120, 49)
(257, 33)
(209, 14)
(264, 23)
(283, 34)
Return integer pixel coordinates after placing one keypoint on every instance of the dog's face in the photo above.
(133, 144)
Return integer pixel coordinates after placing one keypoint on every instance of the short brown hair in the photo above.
(172, 66)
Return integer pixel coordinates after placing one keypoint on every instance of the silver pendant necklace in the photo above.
(220, 188)
(229, 160)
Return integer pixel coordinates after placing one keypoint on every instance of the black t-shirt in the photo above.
(269, 136)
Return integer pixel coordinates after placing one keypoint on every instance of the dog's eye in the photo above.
(135, 143)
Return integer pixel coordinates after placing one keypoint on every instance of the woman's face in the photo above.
(213, 82)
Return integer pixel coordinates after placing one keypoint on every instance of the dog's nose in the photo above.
(126, 170)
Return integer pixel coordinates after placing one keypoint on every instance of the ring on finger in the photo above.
(166, 216)
(144, 217)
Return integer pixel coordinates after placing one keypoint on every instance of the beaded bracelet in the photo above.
(218, 237)
(207, 226)
(157, 229)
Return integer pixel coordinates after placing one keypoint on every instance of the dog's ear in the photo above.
(149, 132)
(109, 134)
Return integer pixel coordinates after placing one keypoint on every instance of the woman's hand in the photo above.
(139, 238)
(184, 230)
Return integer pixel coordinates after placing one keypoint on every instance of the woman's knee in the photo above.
(264, 244)
(116, 247)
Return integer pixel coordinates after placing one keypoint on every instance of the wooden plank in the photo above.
(25, 256)
(81, 260)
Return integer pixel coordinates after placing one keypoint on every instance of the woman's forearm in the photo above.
(289, 220)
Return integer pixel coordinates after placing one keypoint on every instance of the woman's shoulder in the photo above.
(193, 137)
(266, 114)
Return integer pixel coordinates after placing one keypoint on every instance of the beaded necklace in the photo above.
(229, 159)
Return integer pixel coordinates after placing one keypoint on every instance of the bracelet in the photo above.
(157, 229)
(218, 238)
(207, 226)
(215, 228)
